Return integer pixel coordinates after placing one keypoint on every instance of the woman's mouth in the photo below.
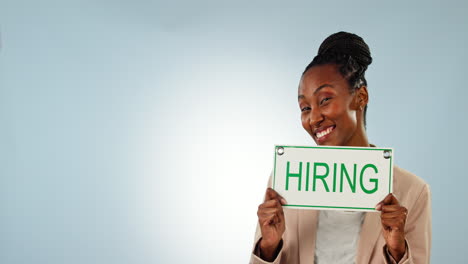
(323, 134)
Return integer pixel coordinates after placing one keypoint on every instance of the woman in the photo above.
(333, 101)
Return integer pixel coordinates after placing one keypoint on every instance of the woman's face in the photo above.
(330, 113)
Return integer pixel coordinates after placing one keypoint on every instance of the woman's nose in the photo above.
(316, 117)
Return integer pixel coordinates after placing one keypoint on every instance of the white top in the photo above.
(337, 236)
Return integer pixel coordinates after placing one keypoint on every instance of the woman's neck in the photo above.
(359, 139)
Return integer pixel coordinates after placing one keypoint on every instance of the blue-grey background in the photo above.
(143, 131)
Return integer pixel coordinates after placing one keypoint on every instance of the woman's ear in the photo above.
(362, 97)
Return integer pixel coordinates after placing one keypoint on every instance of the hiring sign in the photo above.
(333, 178)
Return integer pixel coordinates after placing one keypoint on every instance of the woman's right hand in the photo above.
(272, 224)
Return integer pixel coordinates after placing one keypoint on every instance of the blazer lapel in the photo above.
(307, 223)
(370, 232)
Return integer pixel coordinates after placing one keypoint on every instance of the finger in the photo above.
(395, 214)
(272, 194)
(276, 220)
(270, 204)
(271, 219)
(378, 206)
(390, 199)
(271, 211)
(264, 221)
(391, 208)
(265, 216)
(396, 224)
(283, 201)
(276, 208)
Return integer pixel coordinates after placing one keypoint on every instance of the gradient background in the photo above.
(143, 131)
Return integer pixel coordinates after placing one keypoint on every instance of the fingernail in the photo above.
(378, 207)
(283, 201)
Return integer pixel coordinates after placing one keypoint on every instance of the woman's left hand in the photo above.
(393, 218)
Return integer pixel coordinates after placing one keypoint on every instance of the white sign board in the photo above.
(333, 178)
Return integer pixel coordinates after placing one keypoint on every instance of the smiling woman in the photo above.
(333, 100)
(333, 88)
(332, 113)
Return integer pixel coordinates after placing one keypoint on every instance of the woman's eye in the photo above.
(325, 100)
(305, 109)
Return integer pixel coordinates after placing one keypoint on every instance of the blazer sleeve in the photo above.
(255, 254)
(418, 232)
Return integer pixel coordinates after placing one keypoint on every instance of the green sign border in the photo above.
(351, 148)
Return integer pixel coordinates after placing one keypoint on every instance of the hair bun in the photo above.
(347, 44)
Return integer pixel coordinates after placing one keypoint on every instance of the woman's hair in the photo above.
(350, 53)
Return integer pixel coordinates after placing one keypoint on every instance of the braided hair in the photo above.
(350, 53)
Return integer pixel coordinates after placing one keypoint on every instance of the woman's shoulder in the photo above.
(407, 186)
(404, 177)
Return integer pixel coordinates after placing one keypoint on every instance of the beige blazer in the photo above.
(410, 190)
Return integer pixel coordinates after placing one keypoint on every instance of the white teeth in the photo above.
(324, 133)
